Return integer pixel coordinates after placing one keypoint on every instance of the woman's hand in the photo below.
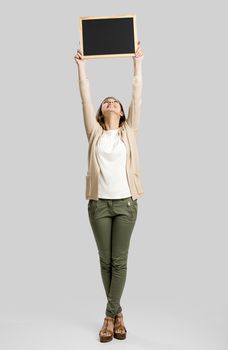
(138, 54)
(79, 59)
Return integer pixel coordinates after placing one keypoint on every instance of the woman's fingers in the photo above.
(139, 52)
(79, 56)
(78, 53)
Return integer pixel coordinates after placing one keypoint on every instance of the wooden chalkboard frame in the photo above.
(127, 54)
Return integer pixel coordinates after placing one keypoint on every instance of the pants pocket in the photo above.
(132, 207)
(92, 206)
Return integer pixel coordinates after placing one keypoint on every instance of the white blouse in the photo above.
(111, 157)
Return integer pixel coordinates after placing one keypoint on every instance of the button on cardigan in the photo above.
(128, 132)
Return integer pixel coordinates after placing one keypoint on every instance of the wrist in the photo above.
(81, 63)
(137, 68)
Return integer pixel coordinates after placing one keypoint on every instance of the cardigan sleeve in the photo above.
(87, 106)
(136, 101)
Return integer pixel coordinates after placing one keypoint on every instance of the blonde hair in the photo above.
(100, 117)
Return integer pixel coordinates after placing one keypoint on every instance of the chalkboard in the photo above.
(113, 36)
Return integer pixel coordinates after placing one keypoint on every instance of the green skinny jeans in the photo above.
(112, 222)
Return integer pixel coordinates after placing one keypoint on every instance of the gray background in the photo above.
(51, 294)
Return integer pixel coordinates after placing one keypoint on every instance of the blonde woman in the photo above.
(113, 185)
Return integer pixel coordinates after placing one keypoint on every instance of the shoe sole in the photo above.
(105, 339)
(120, 336)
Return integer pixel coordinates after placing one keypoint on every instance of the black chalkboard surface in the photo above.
(108, 36)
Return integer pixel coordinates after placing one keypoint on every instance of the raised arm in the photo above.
(136, 100)
(84, 88)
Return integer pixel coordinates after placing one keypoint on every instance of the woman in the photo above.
(113, 185)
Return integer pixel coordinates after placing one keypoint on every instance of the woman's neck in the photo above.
(111, 122)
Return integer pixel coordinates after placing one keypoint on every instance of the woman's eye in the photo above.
(106, 102)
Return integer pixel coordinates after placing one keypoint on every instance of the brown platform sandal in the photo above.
(106, 329)
(119, 329)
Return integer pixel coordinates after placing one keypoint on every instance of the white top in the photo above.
(111, 157)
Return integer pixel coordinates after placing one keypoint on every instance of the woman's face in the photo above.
(111, 104)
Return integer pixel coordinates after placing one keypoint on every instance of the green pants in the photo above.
(112, 222)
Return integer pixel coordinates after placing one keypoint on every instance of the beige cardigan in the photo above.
(128, 132)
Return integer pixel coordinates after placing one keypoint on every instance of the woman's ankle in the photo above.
(110, 317)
